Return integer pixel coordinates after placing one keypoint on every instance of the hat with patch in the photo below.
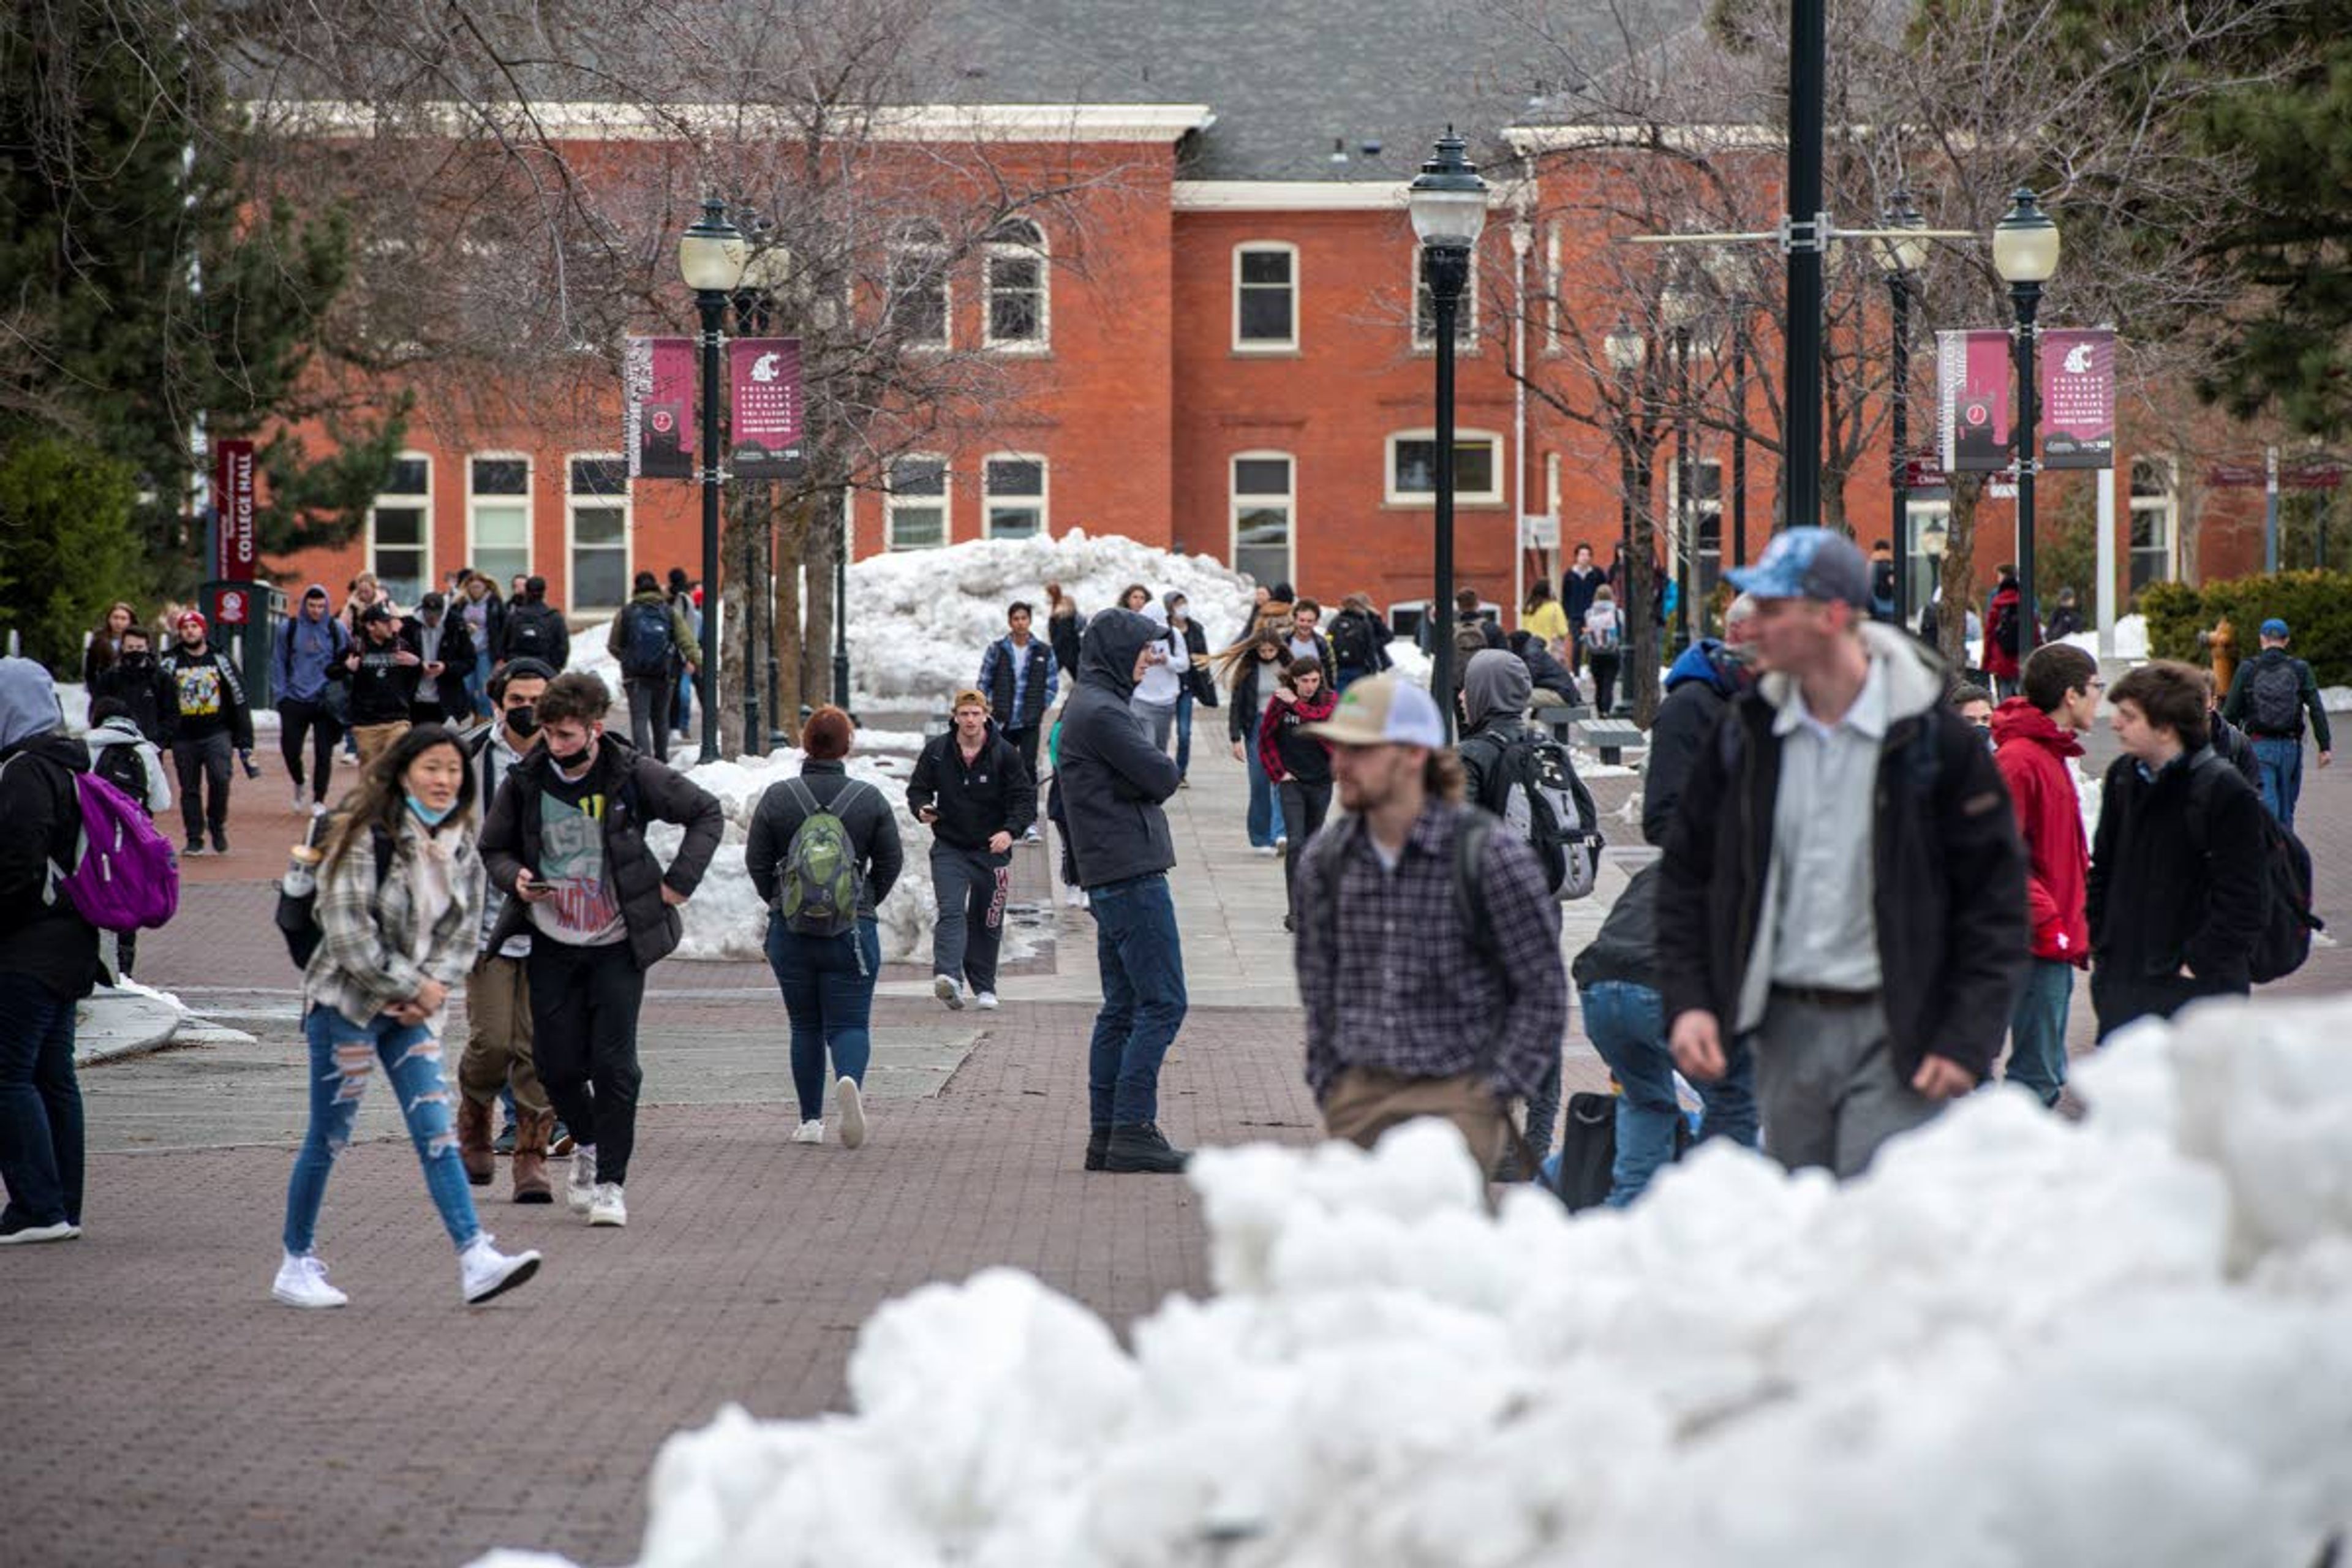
(1382, 710)
(2274, 628)
(1818, 564)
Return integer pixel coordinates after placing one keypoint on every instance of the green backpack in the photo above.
(822, 883)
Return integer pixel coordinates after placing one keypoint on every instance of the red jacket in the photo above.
(2031, 752)
(2007, 602)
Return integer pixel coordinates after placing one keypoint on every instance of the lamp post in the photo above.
(1626, 351)
(710, 259)
(1676, 306)
(1900, 255)
(2025, 254)
(1448, 202)
(767, 266)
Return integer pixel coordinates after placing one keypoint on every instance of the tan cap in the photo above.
(1382, 710)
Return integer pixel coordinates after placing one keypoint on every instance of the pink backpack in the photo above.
(125, 876)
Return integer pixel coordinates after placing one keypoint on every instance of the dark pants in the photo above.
(649, 699)
(1604, 682)
(2118, 999)
(583, 1016)
(296, 718)
(200, 763)
(40, 1103)
(1025, 743)
(1141, 958)
(1304, 806)
(828, 986)
(972, 886)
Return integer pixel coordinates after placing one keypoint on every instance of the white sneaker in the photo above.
(302, 1282)
(483, 1271)
(318, 808)
(851, 1107)
(1267, 850)
(580, 1188)
(301, 800)
(949, 990)
(611, 1207)
(1281, 845)
(985, 1000)
(1075, 896)
(1032, 837)
(810, 1132)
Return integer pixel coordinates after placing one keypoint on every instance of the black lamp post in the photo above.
(767, 266)
(710, 257)
(1900, 255)
(1627, 351)
(2025, 254)
(1677, 305)
(1448, 202)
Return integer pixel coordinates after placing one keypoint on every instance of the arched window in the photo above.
(1016, 314)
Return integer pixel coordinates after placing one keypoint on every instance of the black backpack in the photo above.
(527, 633)
(1588, 1151)
(2005, 628)
(1531, 784)
(1352, 641)
(298, 913)
(126, 770)
(645, 641)
(2287, 920)
(2275, 698)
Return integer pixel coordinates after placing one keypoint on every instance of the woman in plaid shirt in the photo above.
(398, 898)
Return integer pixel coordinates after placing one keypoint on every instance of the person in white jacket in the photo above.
(126, 759)
(1154, 703)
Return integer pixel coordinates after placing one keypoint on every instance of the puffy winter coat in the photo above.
(2031, 752)
(1112, 778)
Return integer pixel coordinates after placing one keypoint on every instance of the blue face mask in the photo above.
(430, 816)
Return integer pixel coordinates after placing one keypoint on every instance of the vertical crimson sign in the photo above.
(766, 427)
(2078, 398)
(233, 500)
(1972, 382)
(658, 390)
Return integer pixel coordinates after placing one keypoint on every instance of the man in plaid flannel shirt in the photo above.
(1406, 1015)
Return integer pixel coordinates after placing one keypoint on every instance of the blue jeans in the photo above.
(1265, 805)
(2037, 1028)
(340, 1051)
(2281, 762)
(683, 717)
(478, 684)
(1626, 1024)
(1183, 733)
(1142, 962)
(40, 1103)
(1730, 1101)
(828, 986)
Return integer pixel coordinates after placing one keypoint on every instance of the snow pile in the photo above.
(2018, 1340)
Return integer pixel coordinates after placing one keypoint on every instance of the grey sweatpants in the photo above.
(972, 886)
(1827, 1088)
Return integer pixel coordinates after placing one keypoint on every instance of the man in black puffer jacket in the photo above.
(972, 786)
(1700, 686)
(1113, 781)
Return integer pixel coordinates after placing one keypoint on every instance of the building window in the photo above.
(1013, 497)
(1015, 257)
(498, 517)
(1555, 309)
(2155, 522)
(400, 529)
(1424, 306)
(1263, 505)
(1266, 298)
(1412, 467)
(1701, 555)
(915, 509)
(919, 303)
(597, 502)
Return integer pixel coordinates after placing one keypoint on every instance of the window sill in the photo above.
(1020, 350)
(1429, 503)
(1269, 351)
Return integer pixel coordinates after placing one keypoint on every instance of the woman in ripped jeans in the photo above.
(399, 894)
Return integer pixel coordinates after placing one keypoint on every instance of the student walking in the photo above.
(974, 789)
(1296, 764)
(126, 759)
(383, 671)
(1195, 687)
(1162, 682)
(1253, 671)
(312, 645)
(2270, 696)
(396, 904)
(484, 613)
(652, 640)
(566, 838)
(1360, 641)
(1577, 585)
(1021, 679)
(826, 827)
(137, 680)
(209, 718)
(105, 645)
(2035, 744)
(1542, 618)
(535, 629)
(438, 639)
(1064, 626)
(1605, 645)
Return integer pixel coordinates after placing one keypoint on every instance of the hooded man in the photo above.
(310, 645)
(211, 717)
(1700, 686)
(137, 681)
(1113, 781)
(48, 961)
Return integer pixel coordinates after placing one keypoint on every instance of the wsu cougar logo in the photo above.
(2078, 360)
(766, 368)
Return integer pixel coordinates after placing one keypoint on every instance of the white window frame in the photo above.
(1555, 308)
(1242, 345)
(1696, 593)
(424, 526)
(1042, 500)
(530, 518)
(1236, 503)
(930, 252)
(1465, 319)
(2166, 506)
(573, 501)
(1041, 252)
(944, 501)
(1395, 497)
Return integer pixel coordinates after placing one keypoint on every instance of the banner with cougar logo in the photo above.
(2078, 399)
(766, 433)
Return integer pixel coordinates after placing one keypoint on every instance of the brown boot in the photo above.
(474, 1142)
(531, 1131)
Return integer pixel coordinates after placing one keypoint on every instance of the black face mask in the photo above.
(568, 760)
(523, 720)
(140, 657)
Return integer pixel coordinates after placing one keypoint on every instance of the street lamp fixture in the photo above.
(2025, 254)
(1901, 250)
(710, 257)
(1448, 203)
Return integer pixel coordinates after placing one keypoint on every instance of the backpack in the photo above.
(1352, 641)
(2275, 698)
(2005, 621)
(1602, 638)
(1881, 589)
(2287, 921)
(822, 884)
(298, 913)
(126, 770)
(645, 641)
(1469, 642)
(526, 634)
(125, 876)
(1532, 785)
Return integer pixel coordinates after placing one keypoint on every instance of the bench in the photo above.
(1559, 717)
(1611, 737)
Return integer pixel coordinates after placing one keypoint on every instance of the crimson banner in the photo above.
(1972, 383)
(658, 394)
(2078, 398)
(765, 441)
(233, 504)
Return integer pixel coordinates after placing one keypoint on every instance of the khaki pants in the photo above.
(497, 1036)
(372, 741)
(1365, 1103)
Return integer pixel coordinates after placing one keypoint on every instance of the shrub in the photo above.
(2317, 604)
(68, 546)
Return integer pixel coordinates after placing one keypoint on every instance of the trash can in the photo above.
(245, 617)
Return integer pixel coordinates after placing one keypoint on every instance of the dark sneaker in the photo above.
(220, 842)
(16, 1230)
(504, 1143)
(1097, 1145)
(1140, 1148)
(196, 846)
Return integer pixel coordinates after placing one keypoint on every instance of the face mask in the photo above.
(523, 720)
(432, 816)
(568, 760)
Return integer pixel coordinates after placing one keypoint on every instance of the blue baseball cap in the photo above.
(2274, 628)
(1818, 564)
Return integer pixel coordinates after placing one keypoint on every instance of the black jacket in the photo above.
(2235, 747)
(208, 697)
(42, 935)
(1698, 689)
(442, 700)
(147, 691)
(1948, 878)
(637, 790)
(872, 826)
(996, 679)
(2163, 892)
(1547, 673)
(535, 630)
(1626, 946)
(993, 794)
(1063, 633)
(1113, 779)
(1198, 678)
(384, 690)
(1371, 633)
